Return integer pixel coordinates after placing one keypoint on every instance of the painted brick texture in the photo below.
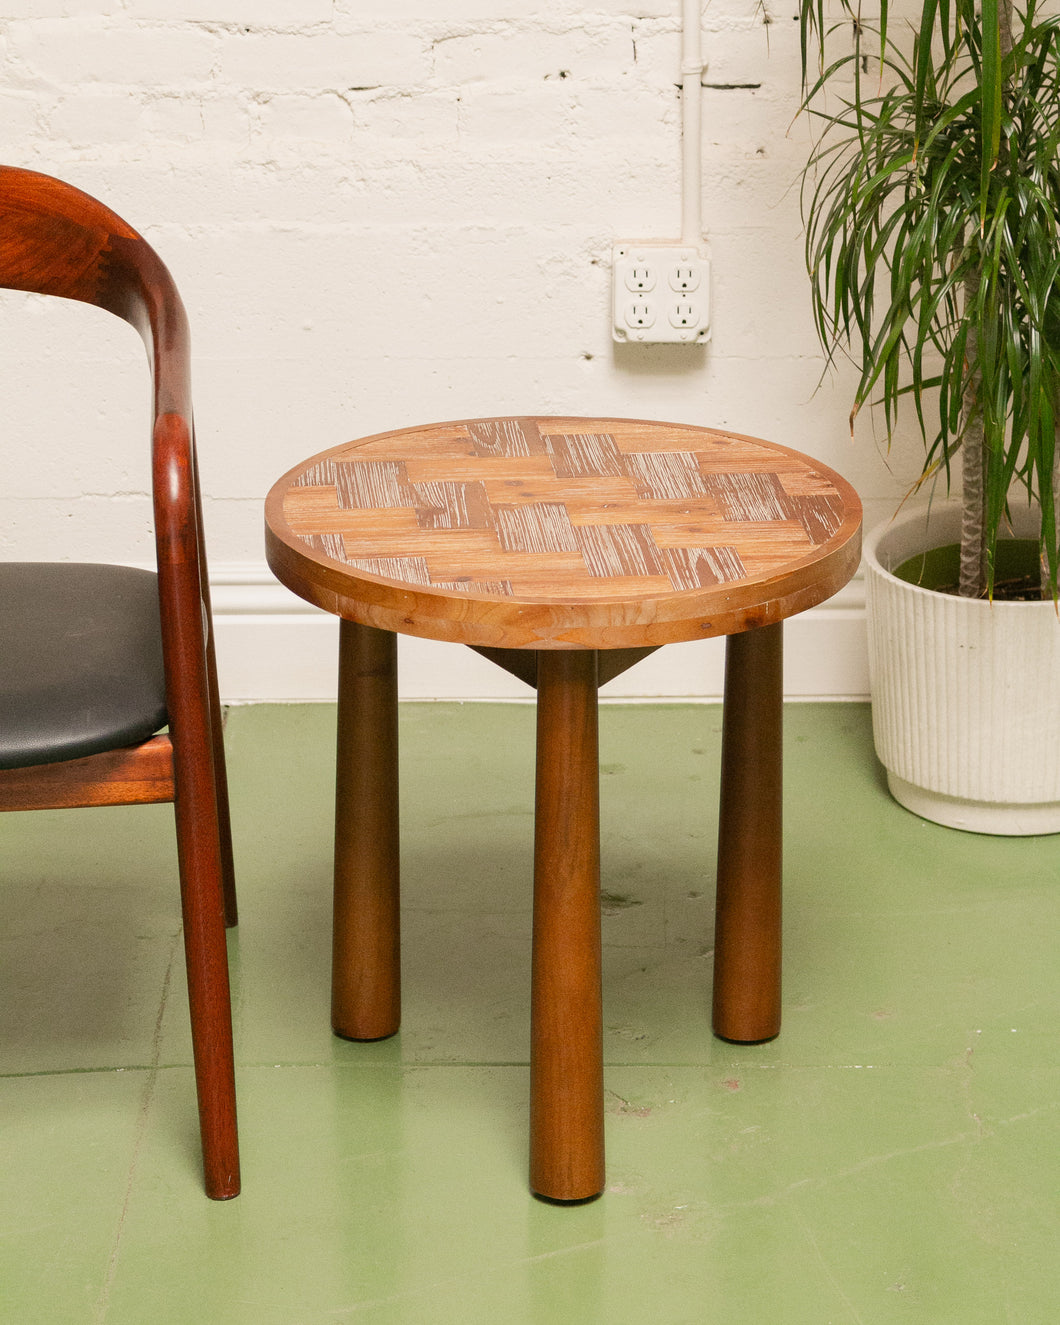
(383, 212)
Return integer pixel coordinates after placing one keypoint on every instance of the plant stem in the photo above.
(972, 582)
(1005, 18)
(1043, 559)
(974, 577)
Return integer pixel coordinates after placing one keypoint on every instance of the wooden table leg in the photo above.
(366, 952)
(747, 937)
(566, 1053)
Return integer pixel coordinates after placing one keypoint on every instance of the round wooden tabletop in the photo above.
(555, 533)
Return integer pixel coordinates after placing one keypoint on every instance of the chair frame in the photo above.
(56, 240)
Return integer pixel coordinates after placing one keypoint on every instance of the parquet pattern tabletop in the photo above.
(564, 512)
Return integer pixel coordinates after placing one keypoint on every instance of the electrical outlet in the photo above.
(660, 293)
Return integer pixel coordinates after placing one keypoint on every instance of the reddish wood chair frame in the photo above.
(56, 240)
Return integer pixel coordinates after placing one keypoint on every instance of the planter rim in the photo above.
(928, 516)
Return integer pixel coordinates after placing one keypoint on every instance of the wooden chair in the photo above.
(96, 660)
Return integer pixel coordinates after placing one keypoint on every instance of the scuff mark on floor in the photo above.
(612, 903)
(624, 1107)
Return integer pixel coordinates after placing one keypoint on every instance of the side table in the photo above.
(565, 550)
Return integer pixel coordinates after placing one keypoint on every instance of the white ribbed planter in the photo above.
(965, 694)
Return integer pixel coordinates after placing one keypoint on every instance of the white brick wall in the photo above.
(388, 211)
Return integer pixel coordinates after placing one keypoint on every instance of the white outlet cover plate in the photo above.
(660, 293)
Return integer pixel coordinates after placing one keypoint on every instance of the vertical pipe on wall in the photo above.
(691, 124)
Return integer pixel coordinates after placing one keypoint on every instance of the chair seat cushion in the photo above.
(80, 660)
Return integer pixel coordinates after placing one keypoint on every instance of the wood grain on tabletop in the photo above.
(563, 532)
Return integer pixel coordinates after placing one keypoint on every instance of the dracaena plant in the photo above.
(932, 210)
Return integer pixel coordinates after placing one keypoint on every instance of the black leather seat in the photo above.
(80, 660)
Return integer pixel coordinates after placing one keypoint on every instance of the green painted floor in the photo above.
(893, 1156)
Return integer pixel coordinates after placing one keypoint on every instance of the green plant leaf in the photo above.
(991, 100)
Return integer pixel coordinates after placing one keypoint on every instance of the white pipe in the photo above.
(691, 124)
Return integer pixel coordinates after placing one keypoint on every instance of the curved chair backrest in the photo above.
(56, 240)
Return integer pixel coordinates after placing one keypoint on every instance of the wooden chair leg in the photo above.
(747, 939)
(566, 1053)
(220, 775)
(366, 956)
(202, 903)
(224, 818)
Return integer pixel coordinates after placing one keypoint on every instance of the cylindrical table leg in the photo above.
(747, 938)
(366, 952)
(566, 1053)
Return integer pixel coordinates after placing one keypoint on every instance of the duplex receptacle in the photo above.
(660, 293)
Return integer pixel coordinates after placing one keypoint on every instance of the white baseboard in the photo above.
(271, 646)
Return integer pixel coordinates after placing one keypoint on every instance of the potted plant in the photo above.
(932, 209)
